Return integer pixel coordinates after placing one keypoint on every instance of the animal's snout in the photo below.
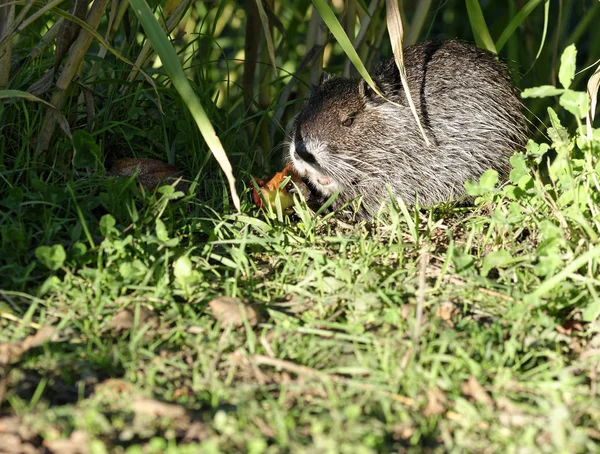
(301, 152)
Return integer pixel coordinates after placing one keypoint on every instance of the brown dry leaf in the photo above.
(569, 326)
(77, 443)
(150, 171)
(473, 389)
(231, 311)
(436, 403)
(592, 90)
(37, 339)
(12, 351)
(143, 405)
(124, 318)
(447, 311)
(15, 437)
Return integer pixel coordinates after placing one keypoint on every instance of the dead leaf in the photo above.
(13, 444)
(37, 339)
(150, 172)
(569, 326)
(231, 311)
(436, 403)
(473, 389)
(77, 443)
(124, 318)
(447, 311)
(156, 408)
(11, 352)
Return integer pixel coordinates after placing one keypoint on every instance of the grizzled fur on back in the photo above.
(348, 139)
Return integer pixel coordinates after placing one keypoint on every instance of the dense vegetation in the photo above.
(140, 319)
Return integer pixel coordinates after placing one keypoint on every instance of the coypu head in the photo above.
(329, 134)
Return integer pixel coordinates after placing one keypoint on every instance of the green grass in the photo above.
(446, 329)
(336, 362)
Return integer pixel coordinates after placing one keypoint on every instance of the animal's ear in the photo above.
(325, 76)
(367, 92)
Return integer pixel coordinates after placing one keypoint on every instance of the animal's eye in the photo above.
(348, 121)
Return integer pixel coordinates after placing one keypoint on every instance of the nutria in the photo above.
(349, 139)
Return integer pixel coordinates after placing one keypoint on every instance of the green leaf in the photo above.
(184, 272)
(519, 167)
(541, 91)
(489, 179)
(592, 312)
(479, 27)
(107, 225)
(558, 133)
(575, 102)
(495, 259)
(78, 252)
(566, 72)
(52, 257)
(461, 260)
(537, 151)
(161, 231)
(87, 151)
(134, 270)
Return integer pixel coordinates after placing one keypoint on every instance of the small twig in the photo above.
(16, 319)
(421, 294)
(312, 373)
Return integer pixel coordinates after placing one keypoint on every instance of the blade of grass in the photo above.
(265, 24)
(592, 90)
(337, 30)
(396, 32)
(479, 27)
(516, 22)
(417, 22)
(169, 58)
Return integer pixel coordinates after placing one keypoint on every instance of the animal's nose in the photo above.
(302, 153)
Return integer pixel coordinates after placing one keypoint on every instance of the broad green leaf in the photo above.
(566, 72)
(161, 231)
(558, 133)
(461, 260)
(519, 167)
(134, 270)
(489, 179)
(541, 91)
(87, 151)
(495, 259)
(592, 311)
(575, 102)
(170, 60)
(479, 27)
(53, 257)
(107, 224)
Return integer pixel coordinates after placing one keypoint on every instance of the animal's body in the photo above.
(349, 139)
